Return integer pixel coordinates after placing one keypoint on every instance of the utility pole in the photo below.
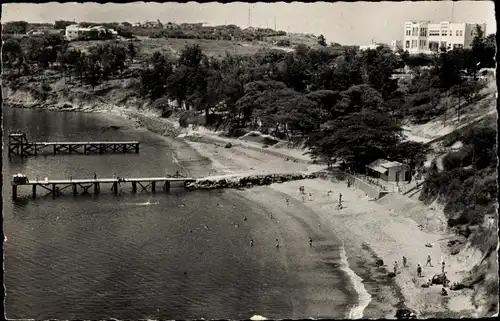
(274, 23)
(452, 10)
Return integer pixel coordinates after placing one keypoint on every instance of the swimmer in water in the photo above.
(271, 215)
(319, 225)
(206, 227)
(237, 225)
(190, 231)
(251, 242)
(245, 218)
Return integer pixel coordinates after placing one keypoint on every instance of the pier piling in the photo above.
(82, 186)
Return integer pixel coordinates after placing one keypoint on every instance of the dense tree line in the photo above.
(30, 55)
(344, 106)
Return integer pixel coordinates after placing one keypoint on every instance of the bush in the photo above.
(45, 87)
(167, 112)
(184, 118)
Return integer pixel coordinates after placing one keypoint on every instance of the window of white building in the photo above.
(414, 44)
(461, 32)
(407, 45)
(444, 32)
(457, 33)
(408, 32)
(433, 32)
(423, 32)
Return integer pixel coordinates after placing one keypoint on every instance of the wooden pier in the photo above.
(88, 186)
(19, 145)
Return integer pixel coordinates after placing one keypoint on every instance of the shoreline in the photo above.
(205, 157)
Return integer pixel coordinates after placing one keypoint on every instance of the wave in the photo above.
(364, 298)
(142, 204)
(258, 318)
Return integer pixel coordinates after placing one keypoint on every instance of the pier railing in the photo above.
(86, 186)
(19, 145)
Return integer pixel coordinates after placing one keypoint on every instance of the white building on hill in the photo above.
(74, 32)
(428, 37)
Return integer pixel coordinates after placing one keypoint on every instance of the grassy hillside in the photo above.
(212, 48)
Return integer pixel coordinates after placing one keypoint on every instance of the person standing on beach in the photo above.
(287, 200)
(419, 270)
(277, 243)
(429, 261)
(95, 176)
(395, 267)
(340, 198)
(404, 261)
(442, 266)
(310, 242)
(303, 199)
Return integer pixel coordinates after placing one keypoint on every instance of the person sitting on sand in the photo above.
(444, 292)
(429, 261)
(419, 270)
(329, 192)
(310, 196)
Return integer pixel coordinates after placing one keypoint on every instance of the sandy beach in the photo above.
(386, 229)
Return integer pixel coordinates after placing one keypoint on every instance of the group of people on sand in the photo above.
(303, 193)
(428, 263)
(419, 266)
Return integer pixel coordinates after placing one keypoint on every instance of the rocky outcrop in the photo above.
(242, 181)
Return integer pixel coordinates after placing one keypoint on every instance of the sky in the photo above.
(343, 22)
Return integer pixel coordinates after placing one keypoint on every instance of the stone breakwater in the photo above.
(245, 181)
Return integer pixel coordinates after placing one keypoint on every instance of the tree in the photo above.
(378, 66)
(62, 24)
(191, 56)
(357, 139)
(155, 76)
(326, 100)
(321, 40)
(11, 51)
(92, 69)
(356, 99)
(409, 152)
(15, 27)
